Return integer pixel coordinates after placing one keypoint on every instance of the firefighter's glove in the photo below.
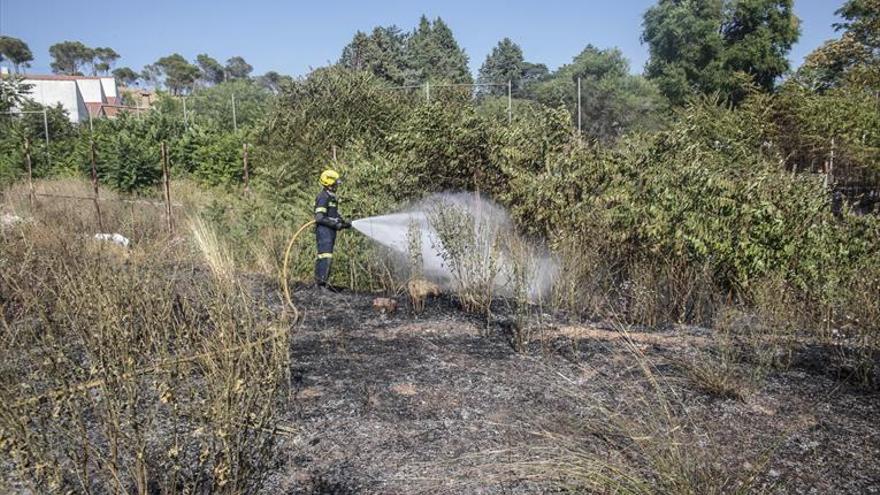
(344, 224)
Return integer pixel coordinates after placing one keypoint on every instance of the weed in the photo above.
(469, 246)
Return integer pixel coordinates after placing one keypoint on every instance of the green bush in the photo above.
(443, 146)
(218, 160)
(128, 150)
(333, 107)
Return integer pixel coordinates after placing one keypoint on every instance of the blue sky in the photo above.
(291, 37)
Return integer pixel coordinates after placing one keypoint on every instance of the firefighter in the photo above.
(327, 223)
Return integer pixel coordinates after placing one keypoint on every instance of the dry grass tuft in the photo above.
(214, 253)
(132, 373)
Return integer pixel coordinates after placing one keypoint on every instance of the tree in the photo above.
(152, 75)
(210, 70)
(855, 56)
(126, 76)
(107, 57)
(355, 53)
(697, 46)
(70, 56)
(13, 93)
(213, 106)
(237, 68)
(273, 81)
(685, 45)
(16, 51)
(613, 101)
(506, 63)
(433, 54)
(178, 73)
(382, 53)
(532, 73)
(862, 21)
(758, 35)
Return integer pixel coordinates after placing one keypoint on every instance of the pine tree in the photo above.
(505, 63)
(16, 51)
(432, 54)
(381, 53)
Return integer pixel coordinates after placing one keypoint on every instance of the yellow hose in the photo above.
(284, 283)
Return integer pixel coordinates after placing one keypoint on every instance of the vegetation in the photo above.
(705, 189)
(16, 51)
(125, 379)
(429, 53)
(506, 63)
(71, 56)
(700, 45)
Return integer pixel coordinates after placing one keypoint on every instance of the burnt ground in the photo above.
(440, 403)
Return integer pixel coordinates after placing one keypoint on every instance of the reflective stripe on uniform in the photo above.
(324, 256)
(321, 209)
(331, 205)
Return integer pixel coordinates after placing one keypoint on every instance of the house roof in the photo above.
(58, 77)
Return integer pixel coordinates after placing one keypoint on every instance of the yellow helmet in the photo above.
(329, 177)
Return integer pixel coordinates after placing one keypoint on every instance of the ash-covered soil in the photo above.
(440, 403)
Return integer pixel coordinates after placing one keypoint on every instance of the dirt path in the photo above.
(430, 405)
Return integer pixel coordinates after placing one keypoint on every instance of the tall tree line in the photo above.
(428, 53)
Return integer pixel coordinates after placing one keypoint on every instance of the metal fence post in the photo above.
(509, 102)
(167, 187)
(46, 131)
(234, 120)
(95, 184)
(829, 168)
(30, 171)
(579, 105)
(247, 186)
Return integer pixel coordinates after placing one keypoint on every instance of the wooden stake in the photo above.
(30, 171)
(95, 185)
(247, 187)
(167, 186)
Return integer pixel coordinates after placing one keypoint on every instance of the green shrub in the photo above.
(445, 146)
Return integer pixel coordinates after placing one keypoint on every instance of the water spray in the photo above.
(491, 226)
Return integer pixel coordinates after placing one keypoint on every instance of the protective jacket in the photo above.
(327, 223)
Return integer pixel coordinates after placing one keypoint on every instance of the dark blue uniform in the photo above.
(327, 223)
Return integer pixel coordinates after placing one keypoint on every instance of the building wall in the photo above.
(50, 93)
(108, 84)
(92, 90)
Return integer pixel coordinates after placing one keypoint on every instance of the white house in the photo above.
(83, 97)
(51, 92)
